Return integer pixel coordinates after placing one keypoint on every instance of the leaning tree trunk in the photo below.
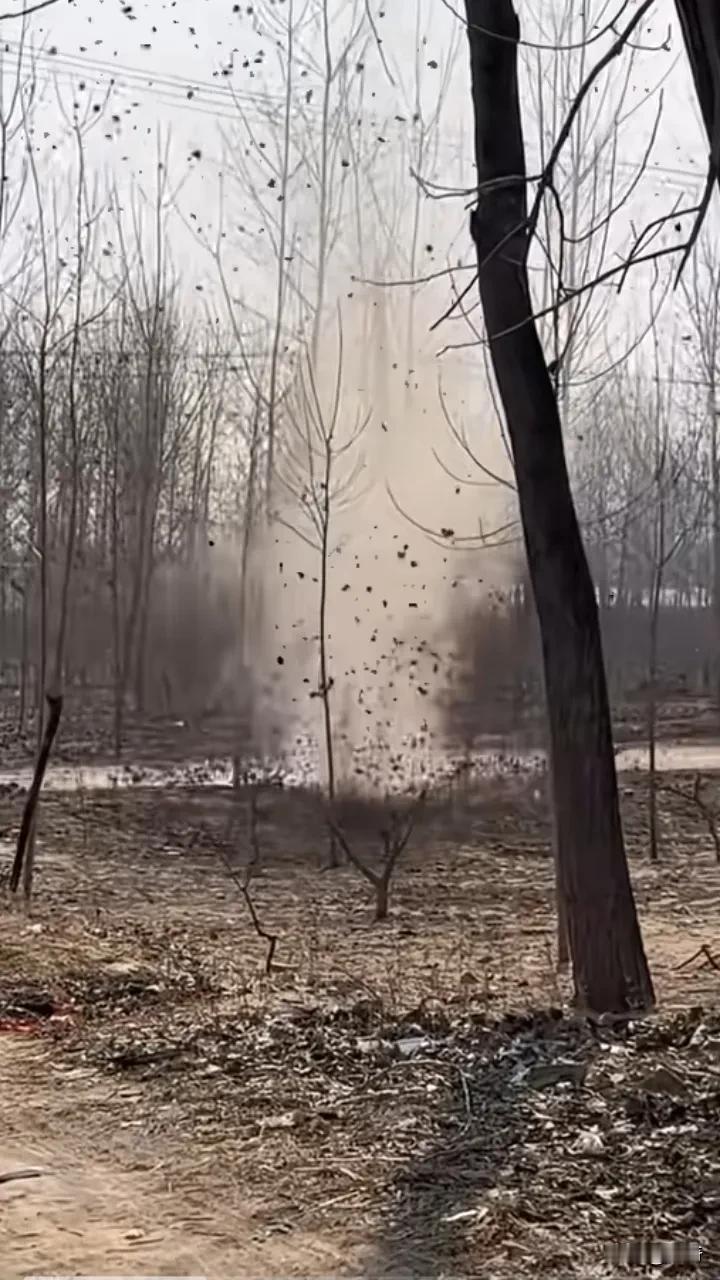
(609, 965)
(24, 853)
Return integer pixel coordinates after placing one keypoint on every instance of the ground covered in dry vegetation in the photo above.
(407, 1097)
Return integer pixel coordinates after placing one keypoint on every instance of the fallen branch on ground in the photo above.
(16, 1174)
(705, 951)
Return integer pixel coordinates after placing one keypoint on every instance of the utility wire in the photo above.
(85, 63)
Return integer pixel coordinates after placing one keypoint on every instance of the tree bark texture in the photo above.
(609, 965)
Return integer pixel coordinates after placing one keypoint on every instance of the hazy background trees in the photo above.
(152, 340)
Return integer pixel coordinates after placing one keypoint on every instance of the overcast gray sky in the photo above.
(158, 51)
(193, 40)
(167, 61)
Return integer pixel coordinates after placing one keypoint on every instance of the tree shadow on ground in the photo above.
(562, 1137)
(459, 1199)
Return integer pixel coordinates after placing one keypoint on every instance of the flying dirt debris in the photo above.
(360, 511)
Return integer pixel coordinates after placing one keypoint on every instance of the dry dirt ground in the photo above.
(86, 732)
(413, 1097)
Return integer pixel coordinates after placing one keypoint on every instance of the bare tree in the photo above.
(609, 964)
(257, 392)
(319, 470)
(590, 189)
(17, 98)
(672, 513)
(52, 372)
(290, 170)
(425, 114)
(280, 166)
(701, 292)
(113, 389)
(84, 217)
(394, 835)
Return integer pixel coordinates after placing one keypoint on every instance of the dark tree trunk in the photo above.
(382, 894)
(25, 843)
(609, 965)
(700, 23)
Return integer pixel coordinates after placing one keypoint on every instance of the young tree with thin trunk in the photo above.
(113, 388)
(280, 166)
(79, 321)
(425, 111)
(158, 397)
(319, 470)
(288, 172)
(663, 450)
(701, 292)
(394, 835)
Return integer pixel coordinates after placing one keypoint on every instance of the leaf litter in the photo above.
(376, 1087)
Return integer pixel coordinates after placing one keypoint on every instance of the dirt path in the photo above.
(85, 1218)
(98, 1214)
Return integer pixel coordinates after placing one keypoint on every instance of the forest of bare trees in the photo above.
(155, 451)
(360, 539)
(113, 408)
(166, 456)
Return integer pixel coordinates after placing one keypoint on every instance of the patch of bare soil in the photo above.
(62, 1209)
(414, 1097)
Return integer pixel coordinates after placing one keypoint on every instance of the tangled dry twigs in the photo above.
(695, 799)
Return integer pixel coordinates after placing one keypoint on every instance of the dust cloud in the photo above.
(404, 549)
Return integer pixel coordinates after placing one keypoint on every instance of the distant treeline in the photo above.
(499, 676)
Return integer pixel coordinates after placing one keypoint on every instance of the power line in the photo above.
(168, 97)
(147, 79)
(84, 61)
(168, 91)
(164, 96)
(204, 98)
(175, 87)
(663, 170)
